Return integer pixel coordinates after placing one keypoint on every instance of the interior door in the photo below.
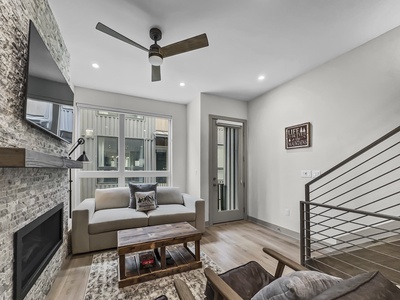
(227, 172)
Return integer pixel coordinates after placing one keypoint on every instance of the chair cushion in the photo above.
(140, 187)
(111, 198)
(246, 280)
(169, 195)
(299, 285)
(106, 220)
(365, 286)
(170, 213)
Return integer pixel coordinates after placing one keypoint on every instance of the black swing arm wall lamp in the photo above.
(83, 157)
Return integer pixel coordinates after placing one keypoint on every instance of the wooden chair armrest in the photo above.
(221, 289)
(282, 262)
(183, 290)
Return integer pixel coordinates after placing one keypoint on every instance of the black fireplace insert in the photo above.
(34, 246)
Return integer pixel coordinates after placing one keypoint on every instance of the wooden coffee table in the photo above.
(130, 241)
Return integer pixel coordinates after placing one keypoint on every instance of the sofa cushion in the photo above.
(116, 219)
(300, 285)
(169, 195)
(111, 198)
(140, 187)
(145, 201)
(170, 213)
(365, 286)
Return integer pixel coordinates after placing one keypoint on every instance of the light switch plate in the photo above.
(315, 173)
(305, 173)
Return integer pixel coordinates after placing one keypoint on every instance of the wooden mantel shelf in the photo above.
(24, 158)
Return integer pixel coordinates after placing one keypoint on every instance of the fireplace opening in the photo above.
(34, 246)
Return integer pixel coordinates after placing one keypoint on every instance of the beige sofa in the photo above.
(95, 221)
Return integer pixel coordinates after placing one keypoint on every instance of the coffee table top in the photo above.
(158, 233)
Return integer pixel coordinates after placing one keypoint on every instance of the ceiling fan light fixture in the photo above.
(155, 59)
(155, 52)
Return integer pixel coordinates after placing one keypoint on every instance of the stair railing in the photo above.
(351, 213)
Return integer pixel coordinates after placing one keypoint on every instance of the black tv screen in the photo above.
(49, 99)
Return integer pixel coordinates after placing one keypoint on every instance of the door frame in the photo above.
(212, 163)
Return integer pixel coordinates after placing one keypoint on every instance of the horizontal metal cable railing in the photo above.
(350, 219)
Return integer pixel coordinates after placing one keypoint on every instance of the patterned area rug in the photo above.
(103, 281)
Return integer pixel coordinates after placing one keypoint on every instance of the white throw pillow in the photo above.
(145, 201)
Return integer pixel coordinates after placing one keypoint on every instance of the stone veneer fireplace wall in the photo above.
(26, 193)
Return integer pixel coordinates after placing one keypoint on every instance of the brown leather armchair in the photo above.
(239, 283)
(245, 281)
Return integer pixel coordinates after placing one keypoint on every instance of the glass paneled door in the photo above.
(227, 186)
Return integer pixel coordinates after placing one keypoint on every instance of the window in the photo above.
(107, 153)
(134, 154)
(141, 141)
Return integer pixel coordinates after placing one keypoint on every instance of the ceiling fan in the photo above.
(157, 53)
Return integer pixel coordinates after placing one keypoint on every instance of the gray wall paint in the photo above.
(214, 105)
(350, 101)
(194, 147)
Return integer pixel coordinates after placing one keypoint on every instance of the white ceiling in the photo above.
(280, 39)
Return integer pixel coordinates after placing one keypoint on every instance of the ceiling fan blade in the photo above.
(155, 73)
(113, 33)
(189, 44)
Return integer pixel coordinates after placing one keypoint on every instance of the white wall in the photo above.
(350, 101)
(214, 105)
(136, 104)
(194, 147)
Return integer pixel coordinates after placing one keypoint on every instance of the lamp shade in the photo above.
(83, 157)
(155, 59)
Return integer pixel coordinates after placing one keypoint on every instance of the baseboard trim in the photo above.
(279, 229)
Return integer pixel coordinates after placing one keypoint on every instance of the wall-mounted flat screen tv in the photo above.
(49, 99)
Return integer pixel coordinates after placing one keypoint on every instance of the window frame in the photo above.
(120, 173)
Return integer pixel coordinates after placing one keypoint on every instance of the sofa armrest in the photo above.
(197, 205)
(80, 225)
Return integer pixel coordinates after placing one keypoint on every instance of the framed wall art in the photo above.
(298, 136)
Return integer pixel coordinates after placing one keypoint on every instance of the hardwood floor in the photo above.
(228, 244)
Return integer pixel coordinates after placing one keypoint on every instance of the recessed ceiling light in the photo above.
(182, 84)
(96, 66)
(261, 77)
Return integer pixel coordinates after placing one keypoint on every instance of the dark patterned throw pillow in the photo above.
(140, 187)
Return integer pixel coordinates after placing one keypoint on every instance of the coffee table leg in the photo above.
(122, 274)
(197, 250)
(163, 258)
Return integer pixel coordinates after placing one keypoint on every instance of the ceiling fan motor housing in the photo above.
(155, 56)
(155, 34)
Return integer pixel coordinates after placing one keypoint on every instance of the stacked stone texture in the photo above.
(26, 193)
